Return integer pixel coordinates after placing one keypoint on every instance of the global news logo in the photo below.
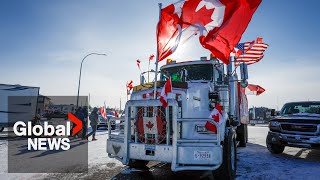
(48, 137)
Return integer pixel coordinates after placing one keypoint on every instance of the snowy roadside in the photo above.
(256, 162)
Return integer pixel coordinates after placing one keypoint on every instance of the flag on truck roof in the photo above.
(129, 87)
(220, 25)
(253, 52)
(138, 63)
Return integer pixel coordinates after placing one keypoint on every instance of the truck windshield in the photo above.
(303, 107)
(194, 72)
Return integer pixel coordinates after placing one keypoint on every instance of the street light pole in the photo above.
(81, 70)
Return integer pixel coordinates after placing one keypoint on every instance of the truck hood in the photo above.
(299, 118)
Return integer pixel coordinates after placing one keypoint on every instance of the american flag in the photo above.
(252, 52)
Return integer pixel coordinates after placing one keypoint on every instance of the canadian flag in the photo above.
(151, 57)
(164, 93)
(252, 89)
(115, 114)
(138, 63)
(217, 116)
(220, 25)
(103, 112)
(129, 87)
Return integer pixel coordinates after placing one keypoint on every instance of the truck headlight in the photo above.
(274, 124)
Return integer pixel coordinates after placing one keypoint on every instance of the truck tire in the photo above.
(138, 164)
(242, 135)
(274, 148)
(1, 129)
(227, 170)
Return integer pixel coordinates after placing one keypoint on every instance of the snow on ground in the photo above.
(254, 161)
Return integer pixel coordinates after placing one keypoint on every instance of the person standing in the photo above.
(80, 115)
(94, 119)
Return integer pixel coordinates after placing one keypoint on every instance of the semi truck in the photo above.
(260, 115)
(17, 103)
(177, 134)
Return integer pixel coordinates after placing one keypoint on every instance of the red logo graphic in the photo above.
(77, 122)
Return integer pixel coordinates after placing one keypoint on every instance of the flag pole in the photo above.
(157, 59)
(148, 70)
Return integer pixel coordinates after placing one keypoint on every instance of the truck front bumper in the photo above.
(187, 155)
(295, 140)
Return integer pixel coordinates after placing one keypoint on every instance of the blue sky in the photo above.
(43, 42)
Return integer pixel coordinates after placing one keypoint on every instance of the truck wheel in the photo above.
(228, 168)
(1, 129)
(242, 135)
(138, 164)
(274, 148)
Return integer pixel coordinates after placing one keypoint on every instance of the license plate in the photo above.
(202, 155)
(150, 147)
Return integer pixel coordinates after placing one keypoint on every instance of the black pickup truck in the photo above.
(298, 125)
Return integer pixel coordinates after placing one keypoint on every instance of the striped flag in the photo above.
(252, 52)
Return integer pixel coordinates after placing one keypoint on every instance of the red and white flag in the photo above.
(252, 89)
(103, 112)
(129, 87)
(220, 25)
(115, 114)
(253, 52)
(151, 57)
(217, 116)
(138, 63)
(167, 88)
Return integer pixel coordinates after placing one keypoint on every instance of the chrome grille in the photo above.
(299, 128)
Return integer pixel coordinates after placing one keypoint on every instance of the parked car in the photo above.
(298, 125)
(56, 114)
(104, 122)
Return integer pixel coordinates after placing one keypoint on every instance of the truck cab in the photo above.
(177, 134)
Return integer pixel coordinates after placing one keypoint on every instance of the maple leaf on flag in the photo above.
(149, 125)
(217, 116)
(220, 25)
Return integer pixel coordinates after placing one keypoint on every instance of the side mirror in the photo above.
(273, 112)
(244, 71)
